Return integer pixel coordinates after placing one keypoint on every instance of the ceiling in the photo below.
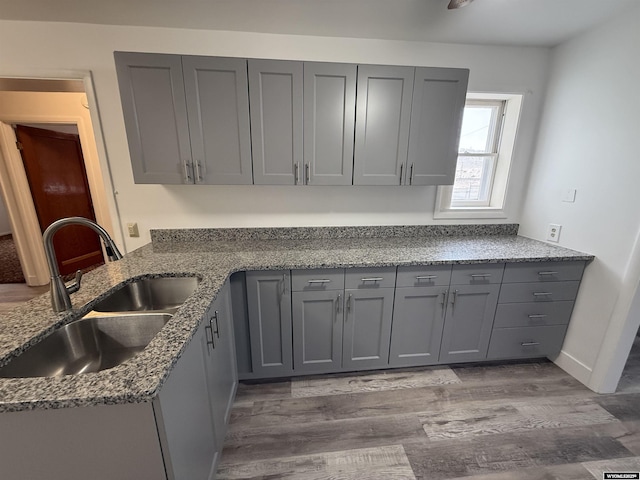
(488, 22)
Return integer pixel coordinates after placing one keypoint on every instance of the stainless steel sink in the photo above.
(164, 294)
(87, 345)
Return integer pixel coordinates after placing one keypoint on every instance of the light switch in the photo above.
(569, 195)
(133, 229)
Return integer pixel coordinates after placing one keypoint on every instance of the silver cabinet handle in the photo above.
(187, 172)
(198, 172)
(530, 344)
(307, 173)
(426, 277)
(537, 315)
(216, 330)
(454, 296)
(338, 304)
(480, 275)
(401, 169)
(372, 279)
(296, 173)
(547, 273)
(284, 284)
(210, 329)
(349, 303)
(444, 298)
(320, 280)
(542, 294)
(411, 175)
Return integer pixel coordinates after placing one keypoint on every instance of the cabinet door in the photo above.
(218, 106)
(275, 97)
(436, 118)
(269, 299)
(468, 322)
(185, 415)
(155, 116)
(418, 319)
(224, 372)
(329, 116)
(317, 331)
(382, 124)
(367, 328)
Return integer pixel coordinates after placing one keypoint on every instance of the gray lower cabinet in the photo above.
(317, 331)
(418, 320)
(193, 407)
(383, 115)
(187, 118)
(275, 97)
(439, 96)
(468, 322)
(367, 328)
(269, 312)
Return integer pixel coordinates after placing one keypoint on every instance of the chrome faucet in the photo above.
(60, 300)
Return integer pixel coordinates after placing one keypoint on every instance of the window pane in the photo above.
(478, 129)
(473, 180)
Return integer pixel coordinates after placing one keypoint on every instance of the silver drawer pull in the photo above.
(320, 280)
(542, 294)
(426, 277)
(547, 273)
(530, 344)
(480, 275)
(372, 279)
(538, 315)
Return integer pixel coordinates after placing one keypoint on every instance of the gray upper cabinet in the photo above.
(418, 319)
(218, 107)
(155, 115)
(269, 310)
(436, 118)
(468, 322)
(275, 97)
(329, 116)
(383, 116)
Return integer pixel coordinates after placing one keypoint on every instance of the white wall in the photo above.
(589, 141)
(5, 226)
(60, 48)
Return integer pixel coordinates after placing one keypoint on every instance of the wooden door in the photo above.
(59, 187)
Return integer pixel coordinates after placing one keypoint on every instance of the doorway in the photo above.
(59, 187)
(61, 104)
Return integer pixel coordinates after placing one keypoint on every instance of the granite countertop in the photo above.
(213, 255)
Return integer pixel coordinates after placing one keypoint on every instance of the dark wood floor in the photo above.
(502, 422)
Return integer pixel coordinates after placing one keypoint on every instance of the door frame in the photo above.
(17, 195)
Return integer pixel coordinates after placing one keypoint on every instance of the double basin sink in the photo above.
(119, 327)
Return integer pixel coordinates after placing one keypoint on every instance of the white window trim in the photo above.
(443, 209)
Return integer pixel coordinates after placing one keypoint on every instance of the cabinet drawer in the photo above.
(526, 342)
(533, 314)
(317, 280)
(537, 292)
(370, 277)
(542, 272)
(423, 276)
(477, 274)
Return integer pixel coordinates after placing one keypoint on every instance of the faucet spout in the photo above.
(60, 300)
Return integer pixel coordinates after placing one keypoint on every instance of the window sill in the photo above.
(472, 213)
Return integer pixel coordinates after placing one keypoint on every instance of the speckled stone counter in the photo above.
(213, 255)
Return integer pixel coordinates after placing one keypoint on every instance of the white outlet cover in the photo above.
(569, 195)
(553, 232)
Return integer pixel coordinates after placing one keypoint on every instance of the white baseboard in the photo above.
(5, 233)
(573, 367)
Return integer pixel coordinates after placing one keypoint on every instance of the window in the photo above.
(486, 144)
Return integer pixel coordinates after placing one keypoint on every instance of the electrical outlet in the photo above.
(553, 232)
(133, 229)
